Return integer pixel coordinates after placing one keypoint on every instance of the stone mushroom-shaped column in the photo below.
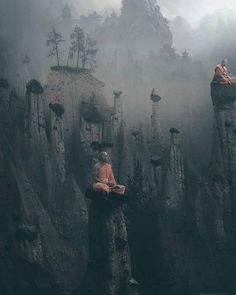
(176, 173)
(155, 121)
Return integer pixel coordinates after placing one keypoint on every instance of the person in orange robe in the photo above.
(221, 74)
(103, 177)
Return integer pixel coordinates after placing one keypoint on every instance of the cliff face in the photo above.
(140, 28)
(175, 217)
(179, 225)
(72, 89)
(109, 268)
(223, 162)
(75, 90)
(175, 175)
(45, 220)
(44, 212)
(144, 18)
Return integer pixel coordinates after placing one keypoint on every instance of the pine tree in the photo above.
(185, 56)
(89, 53)
(54, 40)
(78, 43)
(70, 56)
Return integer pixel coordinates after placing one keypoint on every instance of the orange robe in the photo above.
(221, 76)
(105, 180)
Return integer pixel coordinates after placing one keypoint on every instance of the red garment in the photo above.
(105, 174)
(105, 180)
(221, 76)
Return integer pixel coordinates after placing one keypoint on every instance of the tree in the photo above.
(185, 56)
(167, 53)
(70, 56)
(89, 53)
(78, 43)
(54, 40)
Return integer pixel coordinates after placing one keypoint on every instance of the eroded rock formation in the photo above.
(42, 204)
(109, 269)
(224, 158)
(179, 225)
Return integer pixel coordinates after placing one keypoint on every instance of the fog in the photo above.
(131, 53)
(192, 11)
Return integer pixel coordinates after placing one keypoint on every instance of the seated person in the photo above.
(221, 74)
(103, 177)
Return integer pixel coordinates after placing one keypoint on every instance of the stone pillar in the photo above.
(118, 112)
(4, 94)
(58, 144)
(176, 161)
(175, 175)
(109, 270)
(224, 158)
(155, 121)
(5, 119)
(35, 123)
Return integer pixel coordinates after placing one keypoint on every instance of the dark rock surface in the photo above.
(109, 268)
(180, 223)
(224, 157)
(43, 212)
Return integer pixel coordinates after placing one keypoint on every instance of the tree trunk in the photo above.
(84, 61)
(68, 58)
(78, 60)
(57, 55)
(78, 56)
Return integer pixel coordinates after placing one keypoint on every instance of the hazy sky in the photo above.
(192, 10)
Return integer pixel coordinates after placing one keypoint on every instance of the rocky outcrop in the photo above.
(155, 124)
(76, 90)
(44, 213)
(140, 28)
(117, 118)
(175, 175)
(224, 158)
(4, 93)
(144, 18)
(35, 121)
(58, 143)
(72, 88)
(173, 218)
(109, 269)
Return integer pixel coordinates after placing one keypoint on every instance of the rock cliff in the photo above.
(223, 162)
(177, 228)
(109, 269)
(145, 24)
(140, 28)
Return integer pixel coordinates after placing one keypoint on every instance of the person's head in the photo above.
(104, 157)
(224, 62)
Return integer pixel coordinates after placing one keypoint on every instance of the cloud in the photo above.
(83, 7)
(192, 10)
